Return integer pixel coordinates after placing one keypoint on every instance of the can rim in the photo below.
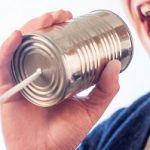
(129, 32)
(59, 97)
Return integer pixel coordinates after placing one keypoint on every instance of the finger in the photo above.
(46, 20)
(7, 50)
(108, 84)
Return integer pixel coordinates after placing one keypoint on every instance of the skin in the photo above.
(131, 8)
(63, 126)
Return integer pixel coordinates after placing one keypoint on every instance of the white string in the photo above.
(20, 86)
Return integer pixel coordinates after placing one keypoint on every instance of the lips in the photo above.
(144, 14)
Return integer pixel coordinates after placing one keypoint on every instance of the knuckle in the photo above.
(45, 20)
(61, 11)
(47, 16)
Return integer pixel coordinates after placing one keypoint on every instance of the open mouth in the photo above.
(144, 13)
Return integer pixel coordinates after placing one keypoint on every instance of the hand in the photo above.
(63, 126)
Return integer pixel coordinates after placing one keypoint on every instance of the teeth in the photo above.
(145, 9)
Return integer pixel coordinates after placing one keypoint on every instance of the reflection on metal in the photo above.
(71, 55)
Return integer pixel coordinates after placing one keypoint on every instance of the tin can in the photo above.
(71, 55)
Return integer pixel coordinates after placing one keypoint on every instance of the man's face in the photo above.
(139, 14)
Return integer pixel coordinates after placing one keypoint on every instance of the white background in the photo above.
(133, 81)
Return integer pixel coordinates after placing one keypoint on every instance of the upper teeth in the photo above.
(145, 9)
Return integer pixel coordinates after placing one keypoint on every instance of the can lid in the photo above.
(35, 52)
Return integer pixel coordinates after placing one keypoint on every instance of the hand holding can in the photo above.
(67, 122)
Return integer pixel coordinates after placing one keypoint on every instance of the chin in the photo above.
(138, 12)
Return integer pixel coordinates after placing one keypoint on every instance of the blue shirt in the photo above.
(127, 129)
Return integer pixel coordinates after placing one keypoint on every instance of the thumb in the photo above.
(108, 84)
(106, 88)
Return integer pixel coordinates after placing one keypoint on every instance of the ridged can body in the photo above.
(71, 55)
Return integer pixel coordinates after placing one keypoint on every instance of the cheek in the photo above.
(129, 11)
(145, 42)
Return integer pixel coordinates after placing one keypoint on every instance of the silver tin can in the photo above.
(71, 55)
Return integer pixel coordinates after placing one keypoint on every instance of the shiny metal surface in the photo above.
(71, 55)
